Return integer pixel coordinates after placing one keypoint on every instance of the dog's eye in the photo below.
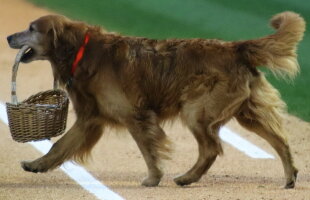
(31, 28)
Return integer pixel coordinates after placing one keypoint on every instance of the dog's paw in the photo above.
(185, 179)
(150, 181)
(34, 167)
(26, 166)
(290, 184)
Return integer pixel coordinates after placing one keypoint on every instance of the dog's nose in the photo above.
(9, 38)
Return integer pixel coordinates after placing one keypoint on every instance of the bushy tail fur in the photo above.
(277, 51)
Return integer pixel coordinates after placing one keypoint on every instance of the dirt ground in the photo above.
(116, 160)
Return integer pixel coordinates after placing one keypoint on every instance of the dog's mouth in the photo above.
(28, 55)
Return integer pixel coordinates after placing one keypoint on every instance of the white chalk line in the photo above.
(243, 145)
(74, 171)
(3, 115)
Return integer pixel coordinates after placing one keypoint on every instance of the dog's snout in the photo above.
(13, 42)
(9, 38)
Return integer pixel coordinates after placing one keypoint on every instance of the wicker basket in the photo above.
(39, 117)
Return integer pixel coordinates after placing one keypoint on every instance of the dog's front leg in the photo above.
(77, 143)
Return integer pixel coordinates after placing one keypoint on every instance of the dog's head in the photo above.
(42, 37)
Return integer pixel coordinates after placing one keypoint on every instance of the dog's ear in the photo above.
(51, 25)
(57, 26)
(56, 31)
(67, 30)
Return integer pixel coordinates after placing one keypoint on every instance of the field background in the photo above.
(221, 19)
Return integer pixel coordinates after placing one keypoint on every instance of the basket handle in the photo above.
(14, 74)
(56, 84)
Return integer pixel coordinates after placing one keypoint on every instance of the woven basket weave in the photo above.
(41, 116)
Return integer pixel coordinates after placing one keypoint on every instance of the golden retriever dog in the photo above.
(139, 83)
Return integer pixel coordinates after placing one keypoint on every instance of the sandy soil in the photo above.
(116, 160)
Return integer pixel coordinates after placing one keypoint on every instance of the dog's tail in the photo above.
(277, 51)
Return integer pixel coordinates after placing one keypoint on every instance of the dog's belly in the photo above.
(114, 106)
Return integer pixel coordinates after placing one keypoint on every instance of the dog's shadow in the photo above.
(133, 181)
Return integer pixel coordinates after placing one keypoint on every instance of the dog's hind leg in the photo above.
(272, 132)
(204, 115)
(152, 142)
(209, 147)
(261, 113)
(76, 143)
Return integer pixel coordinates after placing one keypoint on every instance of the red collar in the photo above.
(79, 54)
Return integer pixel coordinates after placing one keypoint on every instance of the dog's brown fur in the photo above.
(138, 83)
